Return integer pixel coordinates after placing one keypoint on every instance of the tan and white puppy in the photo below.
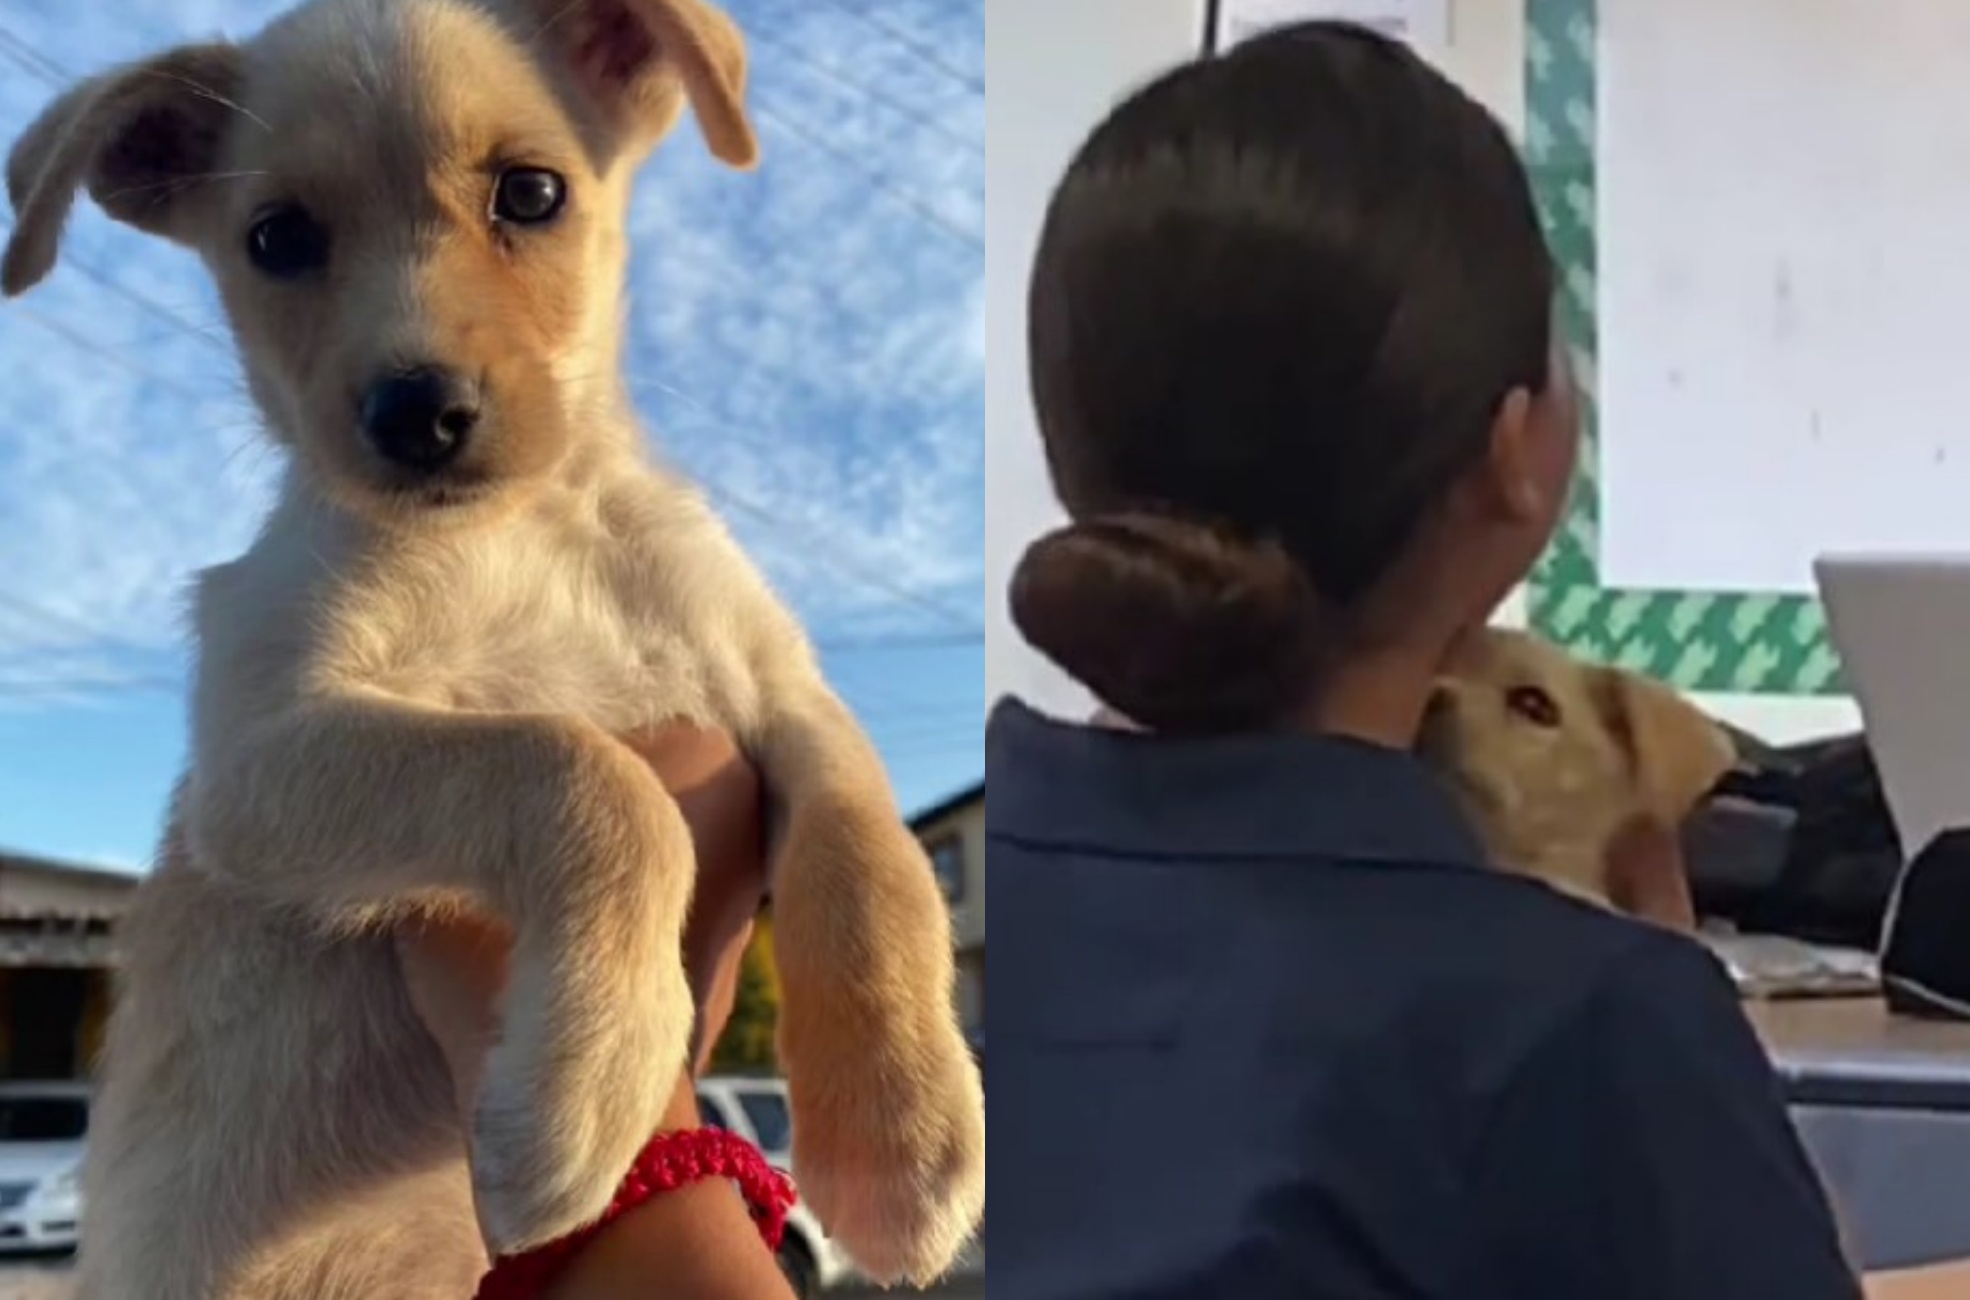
(407, 687)
(1555, 759)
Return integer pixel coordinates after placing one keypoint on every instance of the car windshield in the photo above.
(772, 1126)
(43, 1119)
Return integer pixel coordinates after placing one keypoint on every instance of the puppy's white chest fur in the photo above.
(614, 603)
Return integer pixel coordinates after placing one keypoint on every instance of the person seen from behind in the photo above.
(1264, 1023)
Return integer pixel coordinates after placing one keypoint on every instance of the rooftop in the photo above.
(944, 807)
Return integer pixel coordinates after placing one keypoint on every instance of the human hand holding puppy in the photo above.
(699, 1238)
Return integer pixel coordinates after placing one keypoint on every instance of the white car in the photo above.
(756, 1109)
(42, 1129)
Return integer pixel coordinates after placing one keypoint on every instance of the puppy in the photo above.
(407, 687)
(1554, 759)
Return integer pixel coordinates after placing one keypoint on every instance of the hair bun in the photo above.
(1178, 624)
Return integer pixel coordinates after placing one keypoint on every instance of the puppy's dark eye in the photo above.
(286, 243)
(1534, 705)
(528, 196)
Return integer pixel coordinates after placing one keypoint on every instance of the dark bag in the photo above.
(1797, 841)
(1925, 964)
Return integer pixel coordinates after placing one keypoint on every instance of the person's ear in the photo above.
(1676, 752)
(142, 139)
(1509, 474)
(636, 63)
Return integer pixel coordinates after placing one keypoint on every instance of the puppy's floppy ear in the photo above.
(1676, 751)
(141, 138)
(637, 61)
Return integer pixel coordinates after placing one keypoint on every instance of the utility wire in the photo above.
(24, 56)
(829, 73)
(30, 60)
(882, 182)
(921, 52)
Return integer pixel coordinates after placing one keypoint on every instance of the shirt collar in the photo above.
(1268, 796)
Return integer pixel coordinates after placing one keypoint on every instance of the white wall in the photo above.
(1054, 67)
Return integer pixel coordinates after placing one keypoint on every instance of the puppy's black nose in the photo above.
(420, 419)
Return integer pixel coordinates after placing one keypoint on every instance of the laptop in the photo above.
(1901, 624)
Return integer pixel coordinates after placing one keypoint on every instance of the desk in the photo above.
(1883, 1104)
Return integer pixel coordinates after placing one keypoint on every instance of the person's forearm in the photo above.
(1930, 1282)
(696, 1243)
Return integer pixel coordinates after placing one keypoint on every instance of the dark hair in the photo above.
(1278, 299)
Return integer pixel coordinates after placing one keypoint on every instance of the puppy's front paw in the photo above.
(569, 1100)
(889, 1151)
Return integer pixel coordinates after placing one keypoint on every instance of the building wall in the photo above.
(56, 950)
(31, 887)
(971, 988)
(963, 827)
(51, 1021)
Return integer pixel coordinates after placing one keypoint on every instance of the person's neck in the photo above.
(1379, 697)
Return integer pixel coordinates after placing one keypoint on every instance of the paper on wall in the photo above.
(1422, 23)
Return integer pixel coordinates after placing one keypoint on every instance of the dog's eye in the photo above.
(527, 196)
(287, 243)
(1534, 705)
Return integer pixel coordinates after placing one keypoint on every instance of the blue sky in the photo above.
(807, 342)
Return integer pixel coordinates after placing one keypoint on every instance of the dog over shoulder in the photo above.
(407, 687)
(1554, 759)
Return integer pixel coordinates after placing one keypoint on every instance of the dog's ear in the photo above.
(637, 61)
(140, 139)
(1647, 876)
(1676, 751)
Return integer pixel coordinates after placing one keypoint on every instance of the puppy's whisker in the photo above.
(240, 449)
(178, 184)
(637, 383)
(206, 92)
(554, 19)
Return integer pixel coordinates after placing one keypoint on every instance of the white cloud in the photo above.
(807, 338)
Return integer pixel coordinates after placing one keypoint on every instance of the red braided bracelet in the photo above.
(668, 1162)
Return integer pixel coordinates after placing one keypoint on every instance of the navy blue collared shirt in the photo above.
(1264, 1025)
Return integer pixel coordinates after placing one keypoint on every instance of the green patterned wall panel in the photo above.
(1747, 642)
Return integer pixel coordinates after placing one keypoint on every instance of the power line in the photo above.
(828, 73)
(23, 54)
(922, 53)
(883, 183)
(825, 556)
(931, 717)
(81, 341)
(969, 731)
(898, 760)
(880, 644)
(52, 688)
(823, 553)
(969, 736)
(929, 698)
(31, 61)
(33, 612)
(967, 704)
(197, 333)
